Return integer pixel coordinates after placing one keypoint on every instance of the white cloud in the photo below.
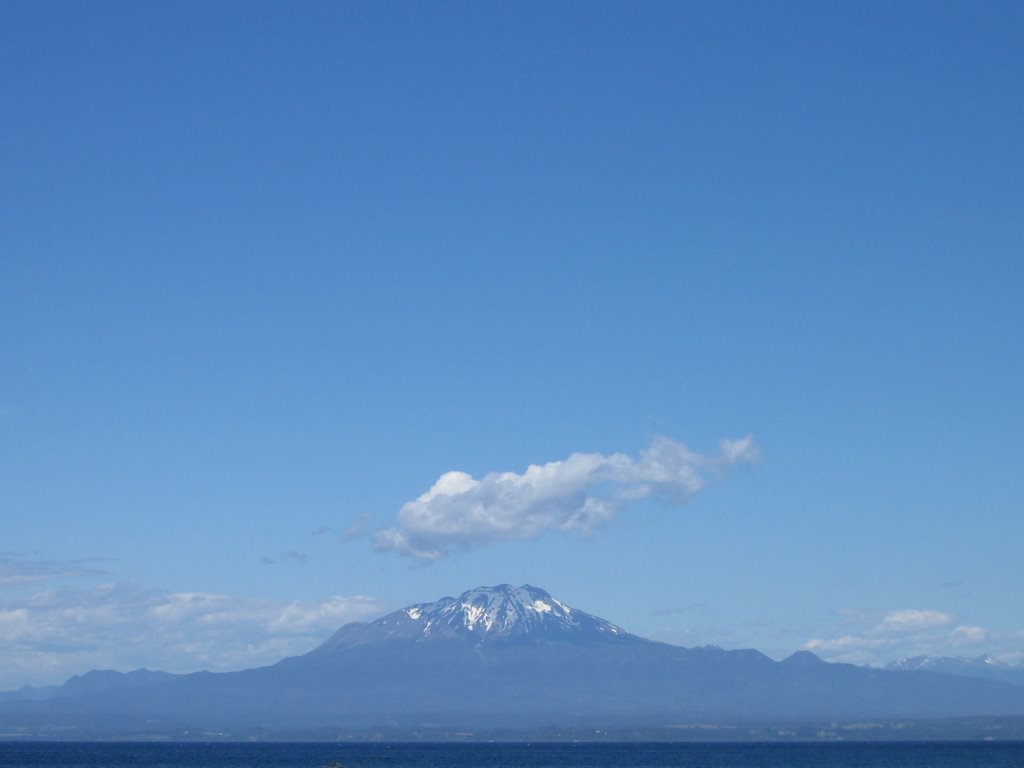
(963, 635)
(911, 620)
(50, 635)
(580, 493)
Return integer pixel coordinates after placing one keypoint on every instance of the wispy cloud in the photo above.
(52, 634)
(298, 558)
(579, 494)
(911, 620)
(358, 527)
(16, 570)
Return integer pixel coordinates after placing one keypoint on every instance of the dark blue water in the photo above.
(223, 755)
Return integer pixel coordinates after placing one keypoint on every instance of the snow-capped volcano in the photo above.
(481, 615)
(504, 610)
(498, 658)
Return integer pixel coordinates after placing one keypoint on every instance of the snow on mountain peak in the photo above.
(480, 615)
(504, 609)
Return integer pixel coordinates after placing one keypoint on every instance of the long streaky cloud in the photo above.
(17, 571)
(580, 494)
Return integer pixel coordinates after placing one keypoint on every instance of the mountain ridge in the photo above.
(500, 657)
(983, 666)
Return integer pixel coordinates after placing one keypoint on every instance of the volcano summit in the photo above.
(482, 616)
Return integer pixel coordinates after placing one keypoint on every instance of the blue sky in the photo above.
(269, 273)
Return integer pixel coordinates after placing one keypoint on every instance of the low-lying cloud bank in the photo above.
(579, 494)
(54, 633)
(880, 638)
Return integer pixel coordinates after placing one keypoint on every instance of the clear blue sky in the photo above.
(268, 271)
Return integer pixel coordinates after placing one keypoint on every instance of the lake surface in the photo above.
(633, 755)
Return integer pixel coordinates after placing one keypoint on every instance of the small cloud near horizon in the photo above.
(578, 495)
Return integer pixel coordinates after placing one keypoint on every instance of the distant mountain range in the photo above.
(977, 666)
(497, 658)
